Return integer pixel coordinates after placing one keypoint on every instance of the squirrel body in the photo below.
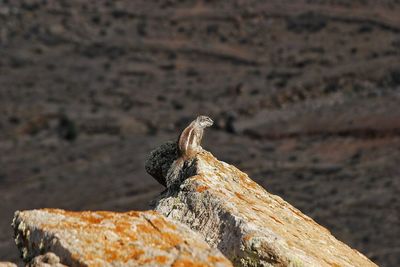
(189, 144)
(189, 141)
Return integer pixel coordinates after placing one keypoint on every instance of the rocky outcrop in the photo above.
(209, 206)
(110, 239)
(249, 225)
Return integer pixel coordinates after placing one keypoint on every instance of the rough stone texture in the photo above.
(47, 260)
(249, 225)
(112, 239)
(159, 161)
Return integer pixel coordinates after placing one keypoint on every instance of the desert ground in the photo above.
(305, 95)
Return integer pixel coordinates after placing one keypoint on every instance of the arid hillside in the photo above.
(305, 95)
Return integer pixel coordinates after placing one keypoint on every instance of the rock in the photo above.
(160, 160)
(250, 226)
(47, 260)
(7, 264)
(110, 239)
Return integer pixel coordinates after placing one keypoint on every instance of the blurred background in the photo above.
(305, 95)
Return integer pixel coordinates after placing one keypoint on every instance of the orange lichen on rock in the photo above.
(250, 225)
(202, 188)
(161, 222)
(188, 263)
(214, 259)
(245, 199)
(109, 238)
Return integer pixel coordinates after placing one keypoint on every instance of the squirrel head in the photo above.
(204, 121)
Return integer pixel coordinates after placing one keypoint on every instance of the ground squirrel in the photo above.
(190, 138)
(188, 146)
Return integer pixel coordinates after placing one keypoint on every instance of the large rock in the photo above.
(249, 225)
(111, 239)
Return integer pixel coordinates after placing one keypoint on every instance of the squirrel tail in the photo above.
(174, 172)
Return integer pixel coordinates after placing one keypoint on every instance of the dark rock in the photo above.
(160, 160)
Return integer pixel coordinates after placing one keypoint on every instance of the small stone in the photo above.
(47, 260)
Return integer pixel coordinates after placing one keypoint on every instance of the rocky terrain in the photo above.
(250, 226)
(305, 95)
(111, 239)
(210, 215)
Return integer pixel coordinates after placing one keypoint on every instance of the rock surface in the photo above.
(7, 264)
(160, 160)
(47, 260)
(112, 239)
(249, 225)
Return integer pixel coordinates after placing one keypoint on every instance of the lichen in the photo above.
(108, 238)
(249, 225)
